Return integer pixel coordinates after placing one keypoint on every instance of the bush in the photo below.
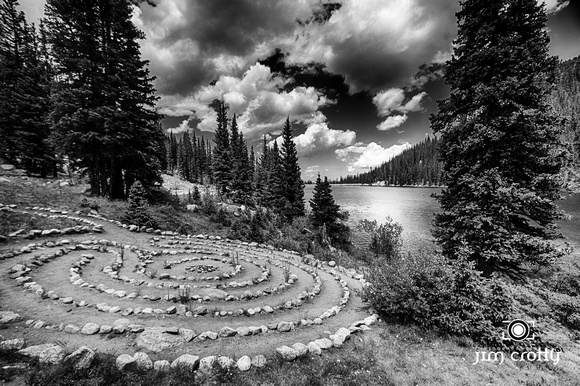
(431, 293)
(385, 238)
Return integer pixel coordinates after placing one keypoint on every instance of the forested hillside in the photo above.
(417, 165)
(566, 103)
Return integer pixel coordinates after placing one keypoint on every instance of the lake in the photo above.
(413, 208)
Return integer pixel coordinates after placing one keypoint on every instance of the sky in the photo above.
(358, 79)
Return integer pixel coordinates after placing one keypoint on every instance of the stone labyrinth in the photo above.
(160, 299)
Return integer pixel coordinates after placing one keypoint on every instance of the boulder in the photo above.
(300, 349)
(82, 358)
(314, 348)
(206, 364)
(187, 334)
(72, 329)
(226, 362)
(324, 343)
(161, 365)
(259, 361)
(186, 360)
(45, 353)
(9, 317)
(214, 293)
(105, 329)
(227, 331)
(125, 362)
(12, 344)
(156, 340)
(287, 353)
(90, 329)
(285, 326)
(244, 363)
(143, 361)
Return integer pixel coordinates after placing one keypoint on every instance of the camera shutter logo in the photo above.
(518, 330)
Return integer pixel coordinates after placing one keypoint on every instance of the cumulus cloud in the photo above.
(257, 100)
(392, 122)
(319, 136)
(392, 99)
(370, 155)
(553, 6)
(312, 171)
(183, 127)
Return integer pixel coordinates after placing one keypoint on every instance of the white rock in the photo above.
(82, 358)
(161, 365)
(244, 363)
(226, 362)
(259, 361)
(287, 353)
(90, 329)
(206, 364)
(186, 360)
(125, 362)
(300, 349)
(314, 348)
(324, 343)
(143, 361)
(45, 353)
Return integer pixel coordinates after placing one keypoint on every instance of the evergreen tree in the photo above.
(499, 141)
(25, 81)
(326, 213)
(261, 175)
(138, 213)
(275, 197)
(103, 98)
(240, 177)
(324, 209)
(222, 152)
(293, 187)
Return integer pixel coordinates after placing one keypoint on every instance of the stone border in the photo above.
(79, 229)
(244, 363)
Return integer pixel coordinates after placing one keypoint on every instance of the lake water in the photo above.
(413, 208)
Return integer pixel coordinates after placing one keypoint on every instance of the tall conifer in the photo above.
(293, 187)
(103, 98)
(499, 140)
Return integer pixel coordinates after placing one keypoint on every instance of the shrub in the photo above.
(431, 293)
(385, 238)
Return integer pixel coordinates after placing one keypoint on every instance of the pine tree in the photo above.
(499, 140)
(275, 197)
(324, 209)
(222, 152)
(138, 212)
(293, 187)
(240, 177)
(326, 213)
(103, 98)
(25, 80)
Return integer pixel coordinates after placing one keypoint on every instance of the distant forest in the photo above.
(418, 165)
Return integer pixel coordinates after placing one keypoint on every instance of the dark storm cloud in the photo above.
(191, 43)
(379, 44)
